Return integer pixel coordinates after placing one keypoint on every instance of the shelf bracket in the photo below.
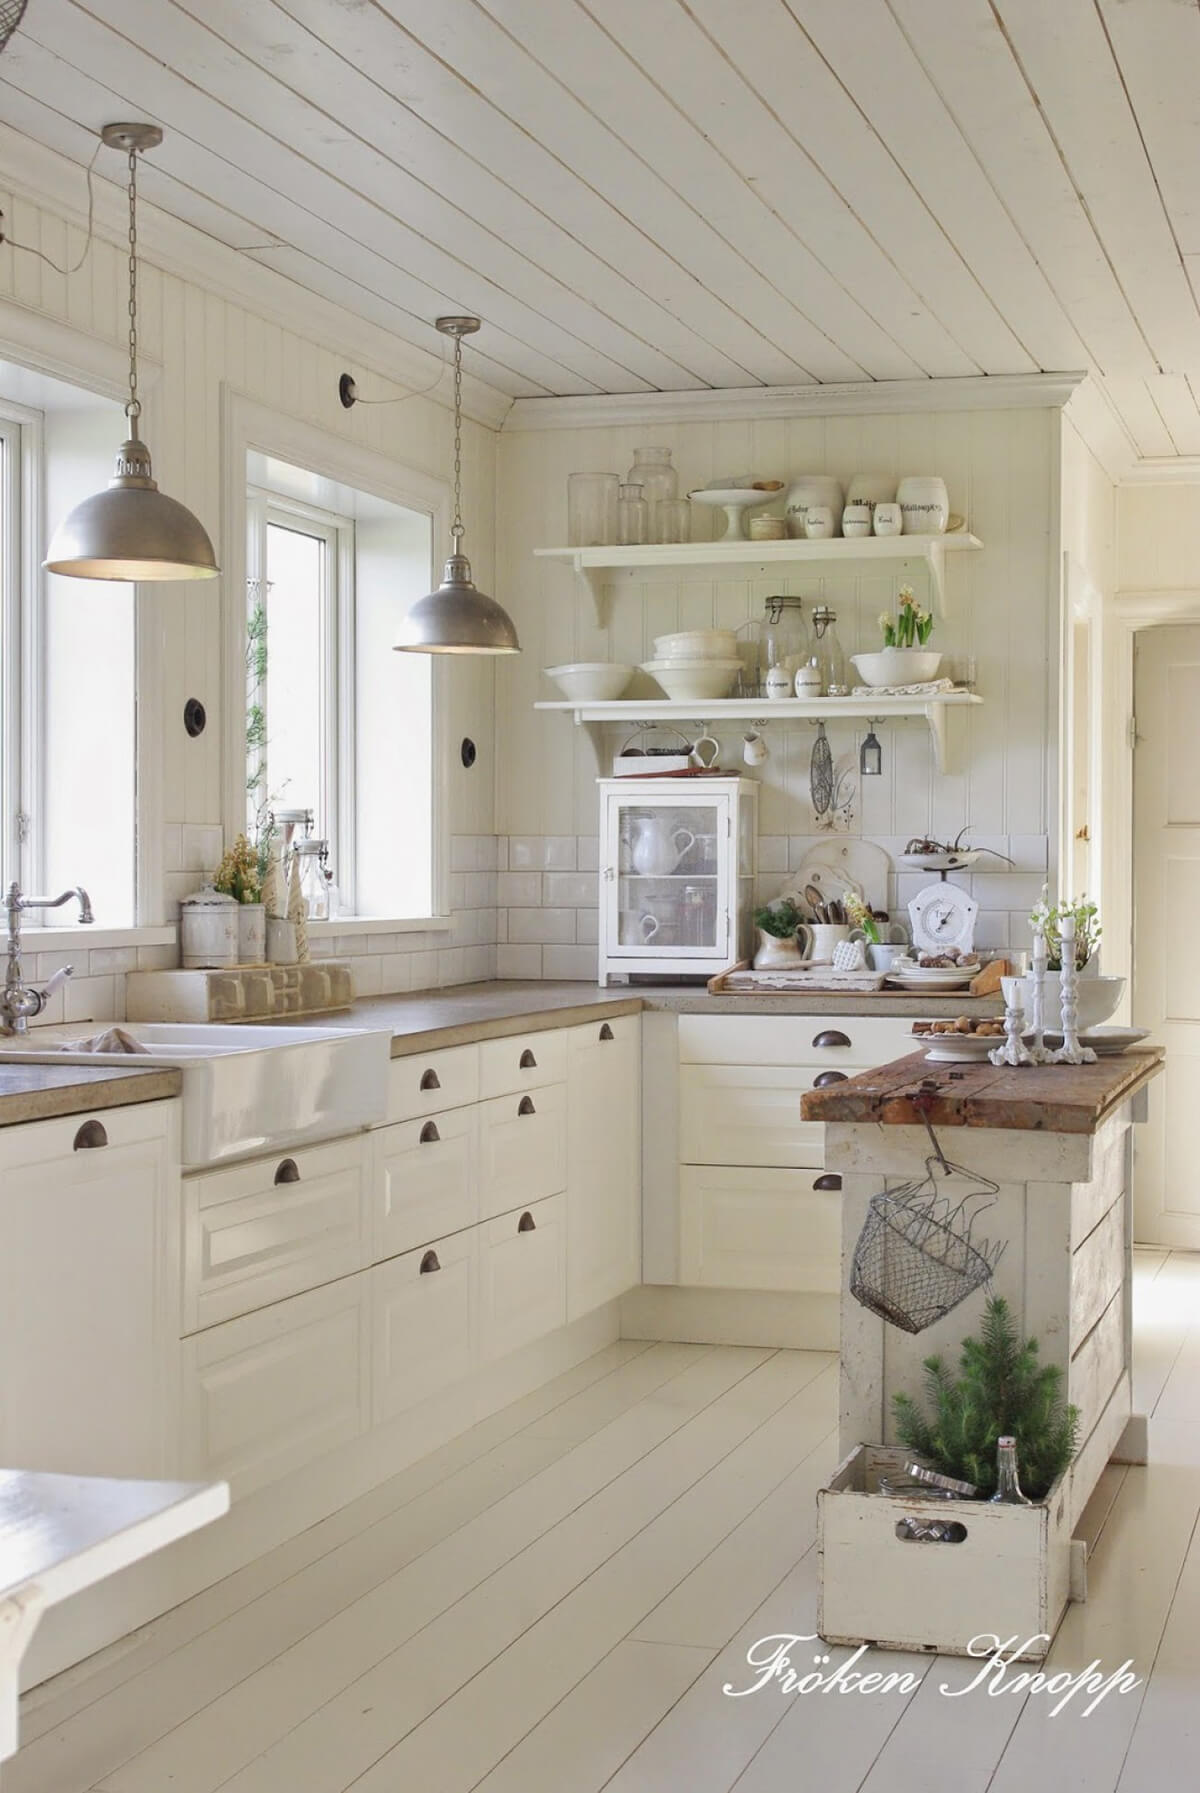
(593, 582)
(935, 716)
(935, 554)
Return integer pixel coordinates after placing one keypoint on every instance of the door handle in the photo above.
(528, 1061)
(89, 1136)
(827, 1077)
(831, 1036)
(525, 1106)
(288, 1171)
(429, 1134)
(606, 1032)
(527, 1224)
(430, 1080)
(430, 1262)
(830, 1180)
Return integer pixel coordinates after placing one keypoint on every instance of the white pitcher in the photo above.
(657, 847)
(818, 939)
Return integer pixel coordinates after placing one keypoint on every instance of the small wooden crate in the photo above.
(1009, 1575)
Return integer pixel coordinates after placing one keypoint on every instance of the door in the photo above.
(1166, 948)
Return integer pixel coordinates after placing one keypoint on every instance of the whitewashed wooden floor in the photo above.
(553, 1603)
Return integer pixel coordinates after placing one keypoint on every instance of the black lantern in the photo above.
(870, 756)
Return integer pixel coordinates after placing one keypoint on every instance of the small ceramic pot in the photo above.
(818, 522)
(208, 930)
(808, 681)
(925, 503)
(281, 941)
(778, 682)
(252, 933)
(856, 519)
(888, 520)
(774, 954)
(818, 939)
(768, 529)
(811, 489)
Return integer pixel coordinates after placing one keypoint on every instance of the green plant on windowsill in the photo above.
(779, 919)
(1002, 1390)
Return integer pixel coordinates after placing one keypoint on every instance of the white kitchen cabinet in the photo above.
(424, 1321)
(424, 1180)
(604, 1162)
(747, 1114)
(522, 1277)
(760, 1229)
(832, 1042)
(267, 1393)
(89, 1281)
(273, 1227)
(522, 1061)
(522, 1149)
(677, 868)
(425, 1083)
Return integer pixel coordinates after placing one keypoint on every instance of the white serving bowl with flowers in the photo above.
(905, 658)
(1096, 997)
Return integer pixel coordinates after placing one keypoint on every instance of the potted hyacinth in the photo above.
(1096, 997)
(905, 658)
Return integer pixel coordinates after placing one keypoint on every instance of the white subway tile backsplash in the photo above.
(395, 972)
(558, 853)
(368, 976)
(519, 890)
(580, 889)
(157, 958)
(90, 999)
(203, 845)
(479, 964)
(1029, 852)
(518, 961)
(173, 847)
(576, 963)
(530, 927)
(587, 926)
(587, 852)
(524, 852)
(1014, 889)
(103, 959)
(502, 853)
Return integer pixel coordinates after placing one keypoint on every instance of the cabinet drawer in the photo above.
(759, 1229)
(70, 1138)
(524, 1061)
(522, 1278)
(272, 1228)
(621, 1030)
(839, 1040)
(426, 1083)
(424, 1309)
(748, 1114)
(423, 1180)
(270, 1392)
(522, 1149)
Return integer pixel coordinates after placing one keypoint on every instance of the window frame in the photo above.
(22, 671)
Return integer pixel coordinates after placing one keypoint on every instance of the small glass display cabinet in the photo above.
(677, 864)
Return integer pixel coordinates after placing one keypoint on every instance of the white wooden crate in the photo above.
(1009, 1575)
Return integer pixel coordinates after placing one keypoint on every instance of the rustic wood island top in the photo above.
(1047, 1099)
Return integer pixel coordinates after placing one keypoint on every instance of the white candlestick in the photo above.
(1037, 1050)
(1070, 1052)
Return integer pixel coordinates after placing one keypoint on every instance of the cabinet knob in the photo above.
(525, 1106)
(430, 1134)
(288, 1171)
(830, 1180)
(429, 1263)
(606, 1032)
(527, 1224)
(828, 1077)
(831, 1036)
(89, 1136)
(528, 1061)
(430, 1080)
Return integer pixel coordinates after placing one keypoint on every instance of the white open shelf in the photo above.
(594, 565)
(712, 712)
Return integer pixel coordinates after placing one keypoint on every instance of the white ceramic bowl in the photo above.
(1097, 998)
(898, 666)
(690, 681)
(924, 504)
(590, 681)
(808, 489)
(696, 644)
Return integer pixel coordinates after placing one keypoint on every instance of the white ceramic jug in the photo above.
(657, 847)
(818, 939)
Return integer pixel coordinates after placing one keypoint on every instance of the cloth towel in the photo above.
(113, 1039)
(932, 688)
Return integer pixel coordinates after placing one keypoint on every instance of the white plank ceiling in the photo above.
(646, 195)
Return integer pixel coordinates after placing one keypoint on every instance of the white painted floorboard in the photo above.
(554, 1603)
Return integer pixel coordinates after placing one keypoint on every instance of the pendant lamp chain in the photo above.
(457, 530)
(133, 407)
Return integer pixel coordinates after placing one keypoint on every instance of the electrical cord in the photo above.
(28, 248)
(349, 394)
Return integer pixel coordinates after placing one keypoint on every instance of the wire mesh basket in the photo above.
(915, 1259)
(11, 14)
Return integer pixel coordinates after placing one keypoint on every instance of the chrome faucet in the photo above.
(20, 1001)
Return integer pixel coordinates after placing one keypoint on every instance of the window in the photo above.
(336, 722)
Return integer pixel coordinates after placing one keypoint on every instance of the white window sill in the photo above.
(379, 924)
(48, 940)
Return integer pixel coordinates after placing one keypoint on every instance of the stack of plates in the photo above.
(933, 978)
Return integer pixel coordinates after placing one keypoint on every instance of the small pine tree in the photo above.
(1002, 1390)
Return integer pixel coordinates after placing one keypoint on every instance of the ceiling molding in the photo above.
(47, 179)
(1101, 428)
(1003, 392)
(35, 340)
(1164, 470)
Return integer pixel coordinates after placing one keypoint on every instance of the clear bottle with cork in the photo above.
(827, 653)
(1008, 1487)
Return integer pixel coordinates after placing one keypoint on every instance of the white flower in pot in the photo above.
(905, 658)
(1096, 996)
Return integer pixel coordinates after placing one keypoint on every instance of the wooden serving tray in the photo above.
(741, 979)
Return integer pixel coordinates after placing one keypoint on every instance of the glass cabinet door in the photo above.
(671, 873)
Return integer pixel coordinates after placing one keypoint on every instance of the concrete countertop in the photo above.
(43, 1092)
(428, 1019)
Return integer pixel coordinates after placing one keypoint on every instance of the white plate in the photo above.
(1106, 1042)
(957, 1048)
(958, 981)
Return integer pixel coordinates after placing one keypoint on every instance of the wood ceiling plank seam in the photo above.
(906, 112)
(1131, 399)
(103, 104)
(191, 128)
(801, 303)
(455, 108)
(1130, 58)
(796, 190)
(961, 47)
(1065, 54)
(586, 144)
(1175, 401)
(316, 66)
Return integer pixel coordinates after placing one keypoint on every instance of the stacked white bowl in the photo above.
(695, 663)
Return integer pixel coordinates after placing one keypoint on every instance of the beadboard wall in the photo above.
(1003, 472)
(198, 347)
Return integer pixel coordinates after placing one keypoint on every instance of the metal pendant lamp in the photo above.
(131, 530)
(457, 618)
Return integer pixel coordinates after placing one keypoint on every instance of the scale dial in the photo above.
(943, 916)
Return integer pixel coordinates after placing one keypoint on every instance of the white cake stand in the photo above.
(734, 501)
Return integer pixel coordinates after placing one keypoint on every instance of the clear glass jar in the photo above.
(784, 639)
(652, 470)
(633, 516)
(314, 886)
(591, 509)
(672, 520)
(827, 652)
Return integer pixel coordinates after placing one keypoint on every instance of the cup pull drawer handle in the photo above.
(528, 1061)
(527, 1224)
(525, 1106)
(89, 1136)
(830, 1180)
(831, 1036)
(430, 1080)
(288, 1171)
(606, 1032)
(430, 1262)
(429, 1134)
(827, 1077)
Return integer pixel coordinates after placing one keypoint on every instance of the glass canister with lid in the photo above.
(784, 637)
(311, 856)
(828, 654)
(652, 470)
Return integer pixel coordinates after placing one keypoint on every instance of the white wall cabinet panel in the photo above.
(271, 1228)
(759, 1229)
(604, 1162)
(89, 1265)
(424, 1180)
(424, 1083)
(525, 1061)
(522, 1277)
(424, 1321)
(267, 1393)
(522, 1149)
